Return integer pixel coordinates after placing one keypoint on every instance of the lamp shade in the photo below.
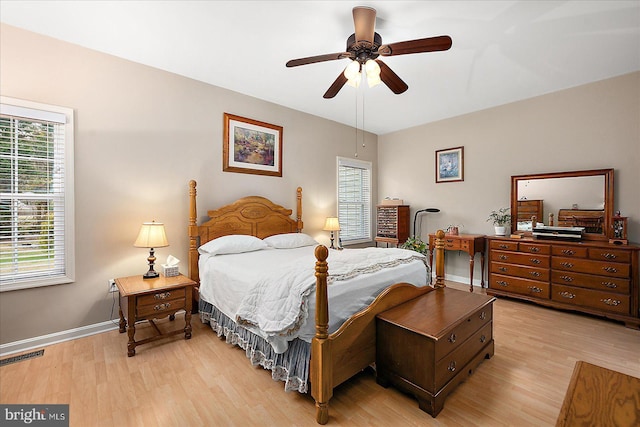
(151, 235)
(331, 224)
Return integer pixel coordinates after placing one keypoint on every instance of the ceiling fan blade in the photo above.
(364, 20)
(318, 58)
(391, 79)
(429, 44)
(335, 87)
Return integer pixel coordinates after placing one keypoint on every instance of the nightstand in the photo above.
(150, 299)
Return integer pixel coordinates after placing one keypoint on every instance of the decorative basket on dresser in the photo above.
(593, 277)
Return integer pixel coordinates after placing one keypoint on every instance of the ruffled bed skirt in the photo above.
(292, 366)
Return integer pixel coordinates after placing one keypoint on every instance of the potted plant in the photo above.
(414, 243)
(500, 219)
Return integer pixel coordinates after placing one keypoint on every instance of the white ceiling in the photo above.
(503, 51)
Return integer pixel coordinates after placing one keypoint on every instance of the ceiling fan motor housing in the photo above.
(363, 50)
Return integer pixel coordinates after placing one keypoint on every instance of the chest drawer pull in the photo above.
(566, 278)
(483, 338)
(610, 269)
(503, 246)
(163, 295)
(566, 264)
(502, 283)
(534, 249)
(452, 338)
(609, 301)
(483, 315)
(609, 255)
(161, 307)
(535, 289)
(568, 252)
(566, 294)
(610, 285)
(503, 269)
(452, 366)
(535, 260)
(503, 257)
(534, 273)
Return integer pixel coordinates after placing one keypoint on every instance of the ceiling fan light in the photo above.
(352, 71)
(372, 67)
(355, 82)
(373, 80)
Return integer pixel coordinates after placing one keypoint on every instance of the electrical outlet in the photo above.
(112, 286)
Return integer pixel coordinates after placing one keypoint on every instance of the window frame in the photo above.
(38, 112)
(359, 164)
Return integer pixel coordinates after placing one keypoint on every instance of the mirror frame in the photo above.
(608, 198)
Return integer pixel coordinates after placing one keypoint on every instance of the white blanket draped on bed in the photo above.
(272, 291)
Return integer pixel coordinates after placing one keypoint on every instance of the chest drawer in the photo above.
(541, 261)
(609, 284)
(533, 273)
(451, 341)
(161, 296)
(520, 286)
(603, 268)
(606, 301)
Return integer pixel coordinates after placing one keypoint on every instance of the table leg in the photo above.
(482, 269)
(430, 266)
(187, 313)
(123, 323)
(471, 262)
(131, 320)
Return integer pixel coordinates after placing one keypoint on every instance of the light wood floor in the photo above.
(206, 382)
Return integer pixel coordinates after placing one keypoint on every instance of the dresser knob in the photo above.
(567, 278)
(503, 257)
(534, 249)
(535, 289)
(609, 255)
(566, 294)
(452, 366)
(609, 301)
(535, 260)
(534, 273)
(566, 264)
(610, 269)
(568, 252)
(501, 246)
(503, 269)
(610, 285)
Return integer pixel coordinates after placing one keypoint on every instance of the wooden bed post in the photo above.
(299, 208)
(321, 364)
(439, 260)
(193, 234)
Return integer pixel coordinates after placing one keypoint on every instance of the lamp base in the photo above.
(151, 274)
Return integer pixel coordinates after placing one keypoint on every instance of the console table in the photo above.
(469, 243)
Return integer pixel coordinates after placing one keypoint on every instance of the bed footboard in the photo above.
(337, 357)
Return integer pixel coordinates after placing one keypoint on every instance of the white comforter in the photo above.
(272, 291)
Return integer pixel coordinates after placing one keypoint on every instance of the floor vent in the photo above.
(14, 359)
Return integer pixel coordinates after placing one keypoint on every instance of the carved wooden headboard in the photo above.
(252, 215)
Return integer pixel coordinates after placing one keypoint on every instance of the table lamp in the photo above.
(151, 236)
(332, 224)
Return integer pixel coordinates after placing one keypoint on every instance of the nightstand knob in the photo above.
(160, 307)
(163, 295)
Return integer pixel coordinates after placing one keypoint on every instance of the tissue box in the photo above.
(170, 270)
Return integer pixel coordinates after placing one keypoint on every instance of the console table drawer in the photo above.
(520, 286)
(609, 284)
(607, 301)
(541, 261)
(603, 268)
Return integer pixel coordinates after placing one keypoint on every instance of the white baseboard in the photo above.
(461, 279)
(56, 337)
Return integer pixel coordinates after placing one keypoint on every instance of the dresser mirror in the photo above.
(579, 198)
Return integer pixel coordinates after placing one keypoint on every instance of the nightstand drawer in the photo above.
(161, 296)
(160, 308)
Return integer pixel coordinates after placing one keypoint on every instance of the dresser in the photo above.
(392, 224)
(429, 345)
(587, 276)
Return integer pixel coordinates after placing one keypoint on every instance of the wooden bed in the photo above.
(335, 357)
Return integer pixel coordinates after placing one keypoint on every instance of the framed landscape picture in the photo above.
(251, 146)
(450, 165)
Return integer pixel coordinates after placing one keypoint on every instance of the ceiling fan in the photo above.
(363, 48)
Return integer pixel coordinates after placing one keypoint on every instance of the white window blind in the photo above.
(354, 200)
(36, 194)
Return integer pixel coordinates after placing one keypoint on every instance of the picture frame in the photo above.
(251, 146)
(450, 165)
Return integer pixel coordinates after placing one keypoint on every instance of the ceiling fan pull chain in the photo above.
(356, 155)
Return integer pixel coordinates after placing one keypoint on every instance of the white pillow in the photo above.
(232, 244)
(290, 240)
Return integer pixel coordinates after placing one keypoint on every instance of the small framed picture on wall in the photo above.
(450, 165)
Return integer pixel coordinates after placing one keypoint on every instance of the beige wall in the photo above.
(141, 134)
(588, 127)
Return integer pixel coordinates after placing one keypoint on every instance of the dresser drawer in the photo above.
(534, 248)
(463, 331)
(603, 268)
(569, 251)
(520, 286)
(533, 273)
(541, 261)
(607, 301)
(504, 245)
(160, 308)
(161, 296)
(609, 284)
(604, 254)
(454, 362)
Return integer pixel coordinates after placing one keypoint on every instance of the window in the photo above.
(36, 195)
(354, 200)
